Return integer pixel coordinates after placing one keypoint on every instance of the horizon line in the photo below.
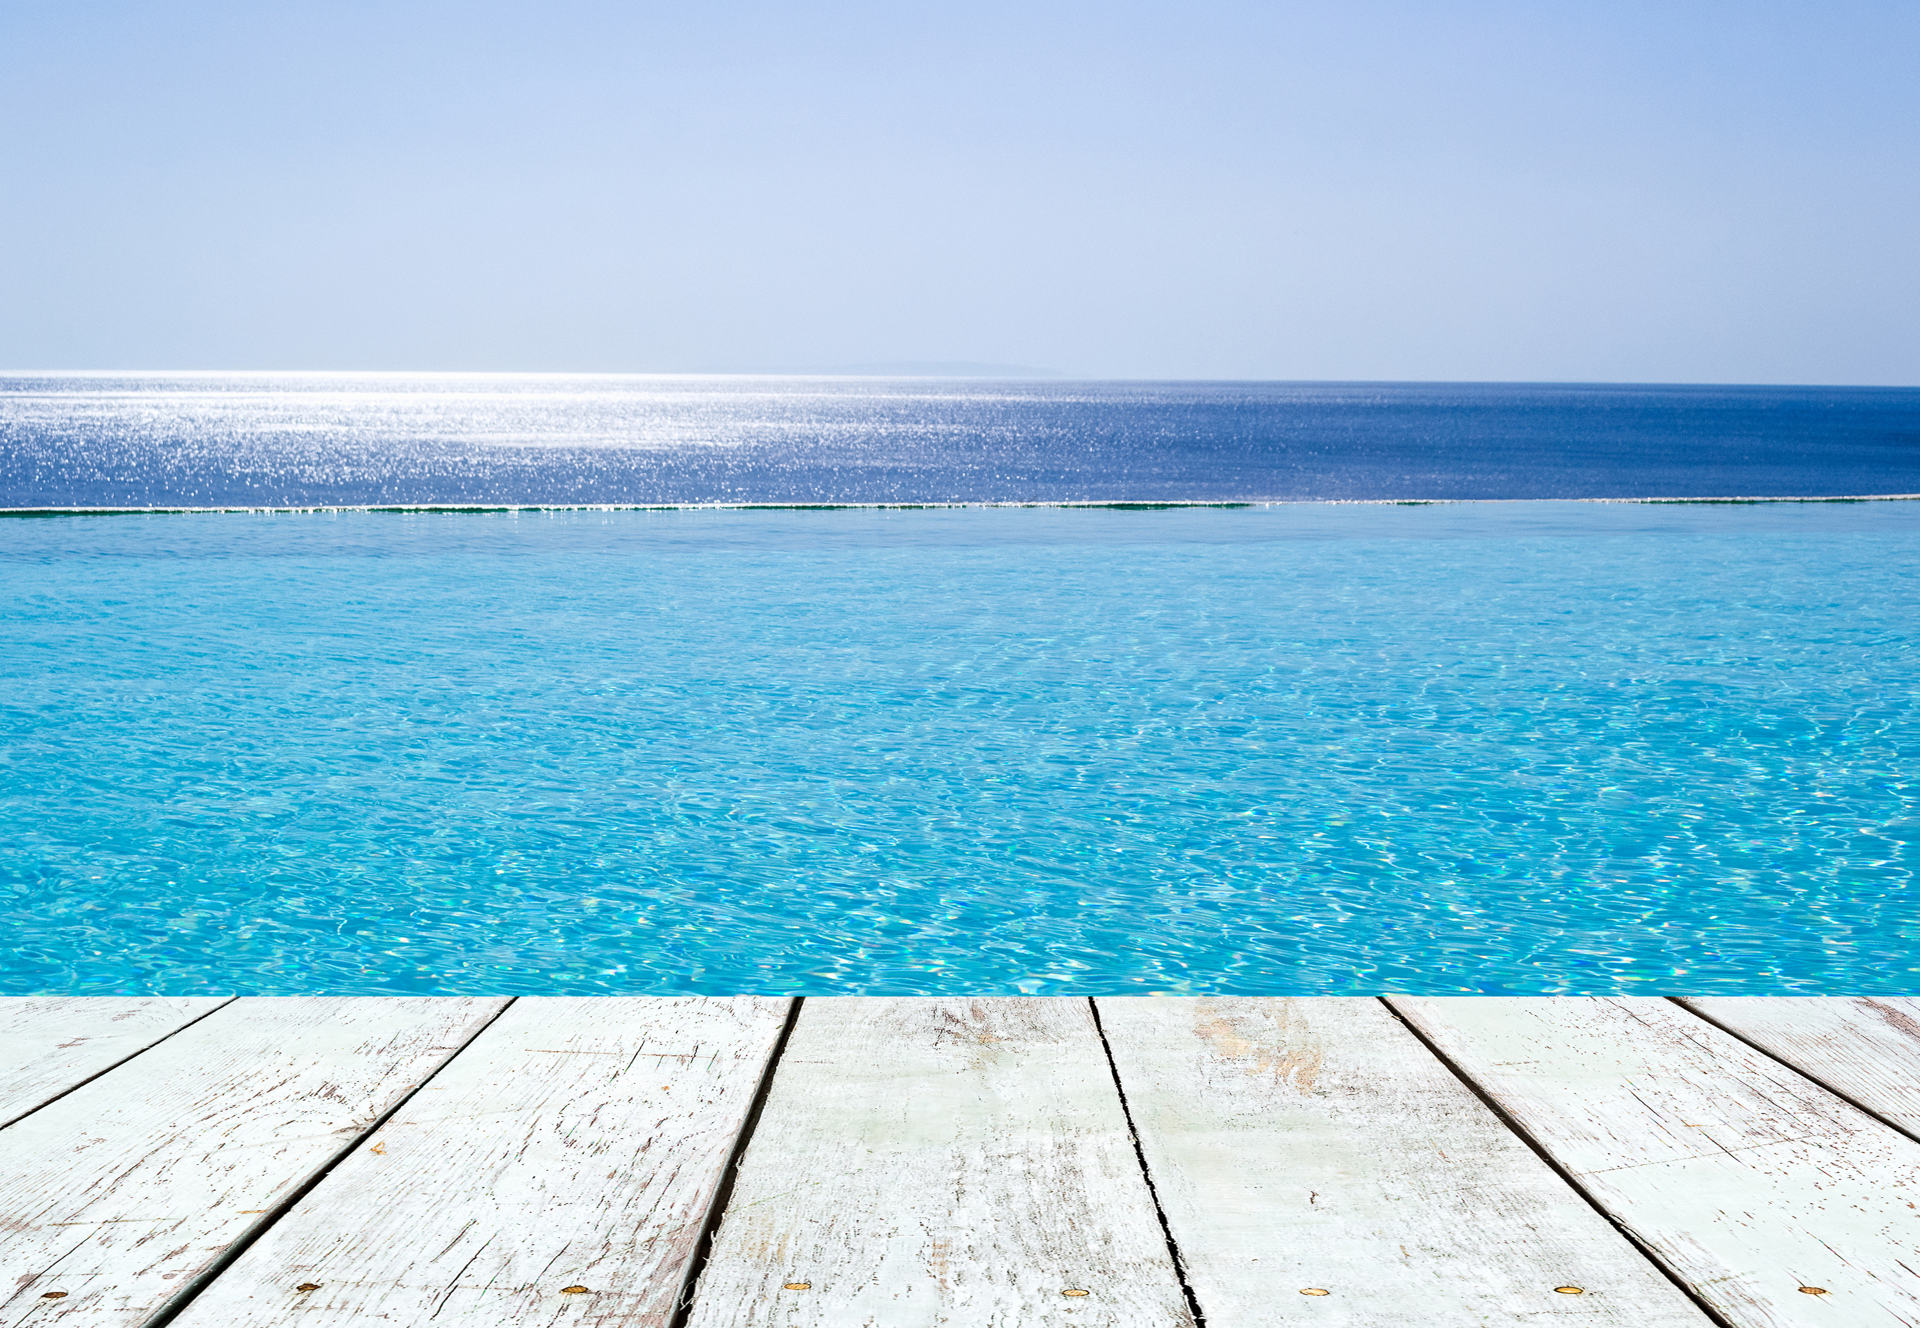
(1028, 376)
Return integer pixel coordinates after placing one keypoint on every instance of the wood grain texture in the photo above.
(560, 1170)
(119, 1196)
(50, 1043)
(1748, 1180)
(936, 1162)
(1866, 1049)
(1303, 1146)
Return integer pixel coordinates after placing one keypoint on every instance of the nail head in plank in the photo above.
(1314, 1147)
(1865, 1049)
(566, 1160)
(936, 1162)
(49, 1044)
(134, 1185)
(1749, 1181)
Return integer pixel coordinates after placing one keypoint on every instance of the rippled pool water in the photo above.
(1496, 747)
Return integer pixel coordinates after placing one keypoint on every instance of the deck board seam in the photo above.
(1806, 1072)
(177, 1304)
(1526, 1137)
(137, 1051)
(1146, 1174)
(723, 1191)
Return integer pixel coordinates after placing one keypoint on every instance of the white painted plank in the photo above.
(561, 1168)
(1315, 1151)
(1866, 1049)
(1748, 1180)
(50, 1043)
(117, 1197)
(941, 1162)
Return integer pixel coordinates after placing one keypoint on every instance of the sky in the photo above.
(1364, 189)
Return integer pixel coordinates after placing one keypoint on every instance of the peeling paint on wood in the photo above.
(128, 1189)
(924, 1163)
(48, 1044)
(1778, 1203)
(1866, 1048)
(562, 1167)
(1315, 1148)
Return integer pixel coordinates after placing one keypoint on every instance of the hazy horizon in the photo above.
(1014, 374)
(1380, 192)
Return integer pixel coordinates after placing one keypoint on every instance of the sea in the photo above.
(568, 684)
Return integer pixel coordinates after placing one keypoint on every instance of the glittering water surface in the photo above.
(1527, 747)
(341, 439)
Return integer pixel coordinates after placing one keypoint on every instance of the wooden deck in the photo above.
(705, 1163)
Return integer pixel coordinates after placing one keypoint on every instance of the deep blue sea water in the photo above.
(331, 439)
(1518, 747)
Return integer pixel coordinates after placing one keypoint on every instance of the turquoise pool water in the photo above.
(1519, 747)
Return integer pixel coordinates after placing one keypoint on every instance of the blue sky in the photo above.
(1352, 190)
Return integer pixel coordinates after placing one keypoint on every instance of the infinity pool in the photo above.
(1523, 747)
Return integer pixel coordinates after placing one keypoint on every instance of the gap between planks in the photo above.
(189, 1146)
(1146, 1173)
(956, 1161)
(1526, 1137)
(185, 1297)
(723, 1195)
(1776, 1200)
(546, 1152)
(1887, 1088)
(26, 1098)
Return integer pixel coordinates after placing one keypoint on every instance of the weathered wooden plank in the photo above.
(1314, 1148)
(562, 1167)
(1865, 1049)
(48, 1044)
(936, 1162)
(117, 1198)
(1774, 1200)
